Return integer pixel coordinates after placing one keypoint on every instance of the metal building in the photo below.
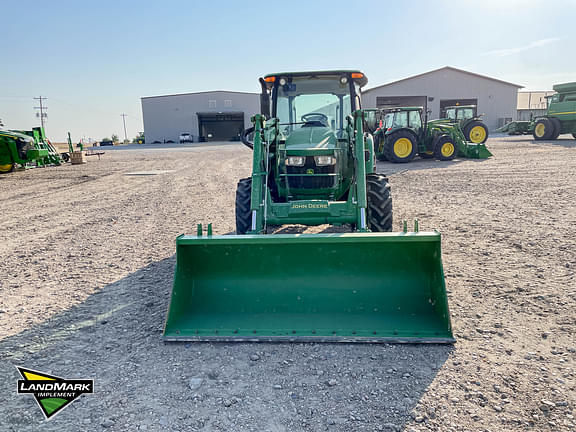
(205, 116)
(447, 86)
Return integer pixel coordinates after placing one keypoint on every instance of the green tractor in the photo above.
(25, 148)
(471, 124)
(560, 117)
(312, 164)
(402, 134)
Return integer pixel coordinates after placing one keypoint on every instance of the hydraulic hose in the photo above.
(244, 138)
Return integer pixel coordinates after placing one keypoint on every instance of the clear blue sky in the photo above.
(94, 60)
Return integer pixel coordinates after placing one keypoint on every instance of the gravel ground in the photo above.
(87, 259)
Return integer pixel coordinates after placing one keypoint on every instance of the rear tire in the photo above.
(557, 128)
(476, 132)
(400, 147)
(543, 129)
(379, 211)
(243, 215)
(444, 148)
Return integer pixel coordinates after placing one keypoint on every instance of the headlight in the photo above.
(324, 160)
(295, 161)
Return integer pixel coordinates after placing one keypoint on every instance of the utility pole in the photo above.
(124, 121)
(42, 108)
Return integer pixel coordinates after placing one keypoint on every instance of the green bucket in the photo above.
(475, 151)
(360, 287)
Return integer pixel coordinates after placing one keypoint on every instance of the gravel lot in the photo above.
(87, 257)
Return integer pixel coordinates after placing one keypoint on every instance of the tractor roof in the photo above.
(460, 106)
(13, 134)
(363, 80)
(395, 109)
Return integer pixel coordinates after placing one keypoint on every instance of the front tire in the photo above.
(445, 149)
(379, 210)
(400, 147)
(243, 215)
(543, 129)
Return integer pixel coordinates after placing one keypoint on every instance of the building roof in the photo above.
(441, 69)
(201, 92)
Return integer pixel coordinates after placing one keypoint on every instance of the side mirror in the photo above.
(264, 100)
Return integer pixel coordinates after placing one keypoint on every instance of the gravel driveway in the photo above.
(87, 260)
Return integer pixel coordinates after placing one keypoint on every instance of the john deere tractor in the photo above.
(312, 164)
(26, 148)
(471, 124)
(402, 134)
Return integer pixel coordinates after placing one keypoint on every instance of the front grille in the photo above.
(308, 181)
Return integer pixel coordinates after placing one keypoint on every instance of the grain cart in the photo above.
(25, 148)
(402, 134)
(560, 117)
(471, 124)
(312, 164)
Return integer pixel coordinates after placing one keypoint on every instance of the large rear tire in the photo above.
(476, 132)
(543, 129)
(6, 168)
(243, 215)
(557, 128)
(444, 148)
(379, 211)
(400, 147)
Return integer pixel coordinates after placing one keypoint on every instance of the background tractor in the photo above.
(560, 117)
(402, 134)
(312, 164)
(471, 124)
(26, 148)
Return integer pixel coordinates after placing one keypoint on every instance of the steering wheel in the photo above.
(315, 117)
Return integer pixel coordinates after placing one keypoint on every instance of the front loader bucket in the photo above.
(475, 151)
(360, 287)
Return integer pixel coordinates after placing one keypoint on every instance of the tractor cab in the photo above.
(461, 113)
(402, 118)
(311, 114)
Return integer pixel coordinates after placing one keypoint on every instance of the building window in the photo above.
(211, 104)
(227, 103)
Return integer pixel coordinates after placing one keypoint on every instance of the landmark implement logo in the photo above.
(52, 393)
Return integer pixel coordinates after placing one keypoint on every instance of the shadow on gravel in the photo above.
(419, 164)
(141, 383)
(566, 141)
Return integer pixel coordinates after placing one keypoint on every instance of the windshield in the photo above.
(309, 101)
(465, 113)
(451, 114)
(396, 120)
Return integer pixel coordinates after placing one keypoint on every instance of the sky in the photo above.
(93, 61)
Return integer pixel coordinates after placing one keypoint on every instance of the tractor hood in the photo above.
(312, 139)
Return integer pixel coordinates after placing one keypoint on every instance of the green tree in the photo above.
(114, 137)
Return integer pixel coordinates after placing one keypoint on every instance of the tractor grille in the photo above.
(312, 182)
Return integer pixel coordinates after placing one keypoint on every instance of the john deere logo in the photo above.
(309, 171)
(52, 393)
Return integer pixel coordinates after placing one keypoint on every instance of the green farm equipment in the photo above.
(313, 164)
(402, 134)
(26, 148)
(560, 117)
(471, 124)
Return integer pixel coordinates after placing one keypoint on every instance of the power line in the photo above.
(124, 121)
(42, 108)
